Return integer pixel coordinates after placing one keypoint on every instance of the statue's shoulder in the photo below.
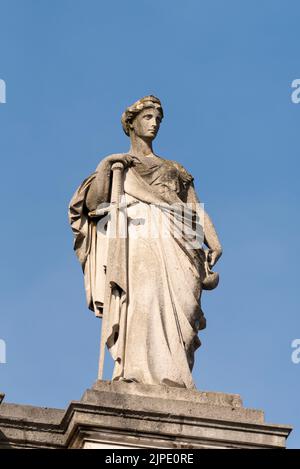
(185, 175)
(121, 155)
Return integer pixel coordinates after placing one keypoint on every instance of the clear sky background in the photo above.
(223, 70)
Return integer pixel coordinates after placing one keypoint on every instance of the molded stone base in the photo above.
(127, 415)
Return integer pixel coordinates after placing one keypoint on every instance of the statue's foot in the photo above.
(127, 380)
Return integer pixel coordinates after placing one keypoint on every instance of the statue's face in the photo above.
(147, 122)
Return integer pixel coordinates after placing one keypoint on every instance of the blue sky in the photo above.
(223, 71)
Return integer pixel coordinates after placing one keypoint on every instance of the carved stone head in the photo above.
(149, 123)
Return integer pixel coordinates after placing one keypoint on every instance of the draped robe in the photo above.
(154, 274)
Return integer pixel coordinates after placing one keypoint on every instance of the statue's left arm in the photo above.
(211, 239)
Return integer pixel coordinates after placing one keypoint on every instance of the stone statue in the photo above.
(146, 283)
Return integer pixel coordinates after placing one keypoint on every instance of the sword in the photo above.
(116, 192)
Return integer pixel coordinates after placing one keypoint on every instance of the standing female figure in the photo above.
(148, 279)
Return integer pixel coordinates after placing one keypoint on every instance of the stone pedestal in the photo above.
(129, 415)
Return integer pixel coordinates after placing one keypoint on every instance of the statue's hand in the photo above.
(213, 256)
(124, 158)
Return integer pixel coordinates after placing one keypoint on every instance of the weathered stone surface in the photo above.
(119, 415)
(168, 392)
(175, 401)
(162, 267)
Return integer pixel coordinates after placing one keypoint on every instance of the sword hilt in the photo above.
(117, 181)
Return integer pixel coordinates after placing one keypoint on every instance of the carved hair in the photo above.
(132, 111)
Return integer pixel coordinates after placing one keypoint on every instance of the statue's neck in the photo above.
(140, 146)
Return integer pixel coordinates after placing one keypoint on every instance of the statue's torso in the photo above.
(165, 175)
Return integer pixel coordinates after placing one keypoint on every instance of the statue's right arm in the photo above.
(99, 189)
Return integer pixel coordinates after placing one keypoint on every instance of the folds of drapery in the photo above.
(84, 230)
(105, 261)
